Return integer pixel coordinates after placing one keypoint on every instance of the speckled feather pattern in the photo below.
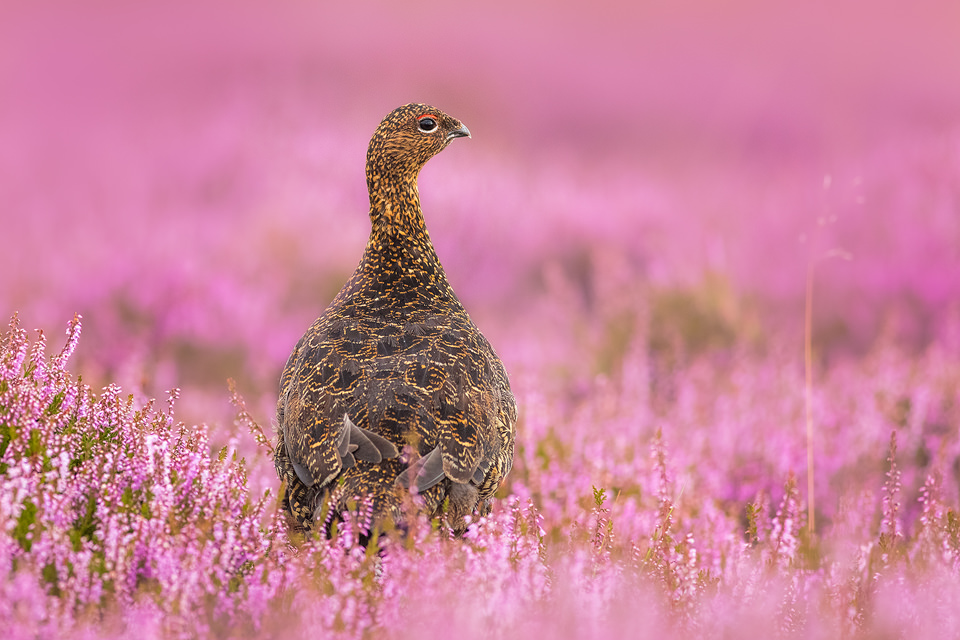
(398, 355)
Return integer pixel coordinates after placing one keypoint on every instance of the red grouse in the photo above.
(394, 390)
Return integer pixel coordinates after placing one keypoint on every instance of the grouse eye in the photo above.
(427, 123)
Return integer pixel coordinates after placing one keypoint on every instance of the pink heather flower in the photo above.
(784, 537)
(891, 524)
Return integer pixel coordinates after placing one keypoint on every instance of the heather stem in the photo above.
(808, 372)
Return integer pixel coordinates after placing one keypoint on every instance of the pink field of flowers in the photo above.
(654, 198)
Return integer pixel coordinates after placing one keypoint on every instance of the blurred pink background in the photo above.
(189, 176)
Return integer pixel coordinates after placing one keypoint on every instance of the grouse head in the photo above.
(408, 137)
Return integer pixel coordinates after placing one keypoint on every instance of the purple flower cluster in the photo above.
(626, 514)
(114, 509)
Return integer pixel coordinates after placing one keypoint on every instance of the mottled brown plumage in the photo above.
(393, 389)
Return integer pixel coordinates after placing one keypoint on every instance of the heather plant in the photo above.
(113, 508)
(119, 519)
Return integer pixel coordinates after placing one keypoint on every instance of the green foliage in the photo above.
(753, 510)
(26, 527)
(56, 403)
(599, 497)
(85, 526)
(7, 433)
(692, 320)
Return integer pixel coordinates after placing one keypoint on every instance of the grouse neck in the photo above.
(395, 212)
(399, 239)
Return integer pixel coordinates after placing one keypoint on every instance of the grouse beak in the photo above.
(462, 132)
